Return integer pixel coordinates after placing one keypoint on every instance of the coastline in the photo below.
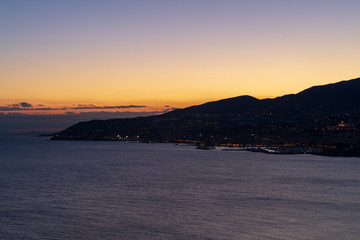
(282, 149)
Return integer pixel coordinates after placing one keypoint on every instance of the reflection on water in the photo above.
(117, 190)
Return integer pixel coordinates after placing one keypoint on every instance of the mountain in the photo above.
(337, 97)
(236, 105)
(324, 118)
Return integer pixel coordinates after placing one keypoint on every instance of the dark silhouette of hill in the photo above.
(236, 105)
(321, 120)
(337, 97)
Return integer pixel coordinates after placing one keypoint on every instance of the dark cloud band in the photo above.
(107, 107)
(24, 106)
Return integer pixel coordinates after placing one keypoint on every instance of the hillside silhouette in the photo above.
(331, 98)
(321, 120)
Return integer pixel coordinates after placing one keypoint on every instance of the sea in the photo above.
(128, 190)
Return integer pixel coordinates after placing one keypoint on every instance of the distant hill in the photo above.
(331, 98)
(321, 119)
(236, 105)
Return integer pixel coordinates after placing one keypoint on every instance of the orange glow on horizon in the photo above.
(172, 53)
(155, 98)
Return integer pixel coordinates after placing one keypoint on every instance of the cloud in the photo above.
(92, 106)
(166, 109)
(18, 118)
(16, 107)
(25, 104)
(172, 109)
(6, 108)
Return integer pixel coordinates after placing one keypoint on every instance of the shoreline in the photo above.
(320, 150)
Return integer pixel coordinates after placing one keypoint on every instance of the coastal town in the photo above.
(319, 120)
(336, 134)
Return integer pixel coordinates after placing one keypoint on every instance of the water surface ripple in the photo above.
(118, 190)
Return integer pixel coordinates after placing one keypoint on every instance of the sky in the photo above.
(151, 56)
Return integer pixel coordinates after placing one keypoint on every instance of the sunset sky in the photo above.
(157, 55)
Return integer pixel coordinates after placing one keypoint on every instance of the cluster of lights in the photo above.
(125, 138)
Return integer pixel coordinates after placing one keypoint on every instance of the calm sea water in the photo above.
(117, 190)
